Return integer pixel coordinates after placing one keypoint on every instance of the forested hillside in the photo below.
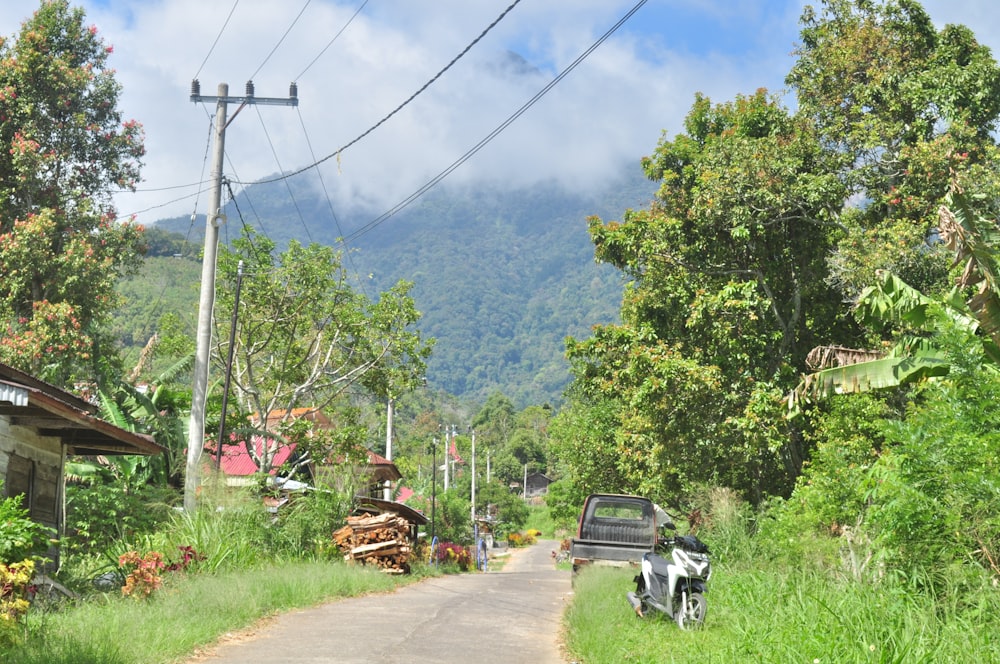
(501, 276)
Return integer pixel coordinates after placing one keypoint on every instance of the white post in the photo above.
(447, 451)
(387, 489)
(203, 338)
(473, 477)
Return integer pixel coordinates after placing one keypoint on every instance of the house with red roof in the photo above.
(239, 465)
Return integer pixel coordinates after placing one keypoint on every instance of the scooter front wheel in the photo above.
(691, 613)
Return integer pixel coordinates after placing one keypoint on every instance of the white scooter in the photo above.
(676, 587)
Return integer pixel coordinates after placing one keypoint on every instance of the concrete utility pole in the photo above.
(387, 490)
(473, 478)
(213, 219)
(447, 453)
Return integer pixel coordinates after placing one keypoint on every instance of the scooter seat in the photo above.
(659, 564)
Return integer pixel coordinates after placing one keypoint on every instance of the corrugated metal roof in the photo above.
(15, 395)
(237, 461)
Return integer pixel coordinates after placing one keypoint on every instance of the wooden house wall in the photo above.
(32, 465)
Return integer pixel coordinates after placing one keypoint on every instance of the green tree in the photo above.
(65, 149)
(304, 337)
(728, 292)
(902, 107)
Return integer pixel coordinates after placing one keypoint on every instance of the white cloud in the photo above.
(601, 118)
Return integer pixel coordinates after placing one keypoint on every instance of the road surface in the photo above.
(512, 615)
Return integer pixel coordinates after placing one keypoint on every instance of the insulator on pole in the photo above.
(195, 88)
(293, 90)
(249, 88)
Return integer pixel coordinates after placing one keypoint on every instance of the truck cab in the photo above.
(614, 529)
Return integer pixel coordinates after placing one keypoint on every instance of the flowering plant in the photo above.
(188, 556)
(142, 573)
(455, 554)
(519, 539)
(16, 591)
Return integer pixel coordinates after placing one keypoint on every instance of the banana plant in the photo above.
(156, 412)
(916, 357)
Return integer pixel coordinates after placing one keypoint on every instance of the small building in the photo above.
(40, 425)
(536, 484)
(239, 468)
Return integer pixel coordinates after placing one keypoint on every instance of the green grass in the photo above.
(191, 611)
(782, 616)
(540, 519)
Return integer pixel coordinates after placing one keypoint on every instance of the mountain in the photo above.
(501, 276)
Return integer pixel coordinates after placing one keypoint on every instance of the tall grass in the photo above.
(250, 564)
(190, 612)
(763, 607)
(540, 519)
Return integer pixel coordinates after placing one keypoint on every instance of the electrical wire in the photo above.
(217, 37)
(317, 162)
(288, 186)
(246, 196)
(330, 43)
(395, 110)
(329, 203)
(493, 134)
(301, 11)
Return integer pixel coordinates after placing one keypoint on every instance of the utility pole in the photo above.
(447, 452)
(434, 482)
(213, 219)
(387, 490)
(473, 478)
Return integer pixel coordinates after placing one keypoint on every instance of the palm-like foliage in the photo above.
(159, 411)
(916, 357)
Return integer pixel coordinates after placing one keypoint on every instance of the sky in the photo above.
(356, 61)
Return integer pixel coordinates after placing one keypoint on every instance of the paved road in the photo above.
(513, 615)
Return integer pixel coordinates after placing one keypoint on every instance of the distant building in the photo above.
(239, 468)
(536, 484)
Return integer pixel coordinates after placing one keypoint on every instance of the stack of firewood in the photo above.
(376, 540)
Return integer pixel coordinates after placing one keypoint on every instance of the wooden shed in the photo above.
(40, 425)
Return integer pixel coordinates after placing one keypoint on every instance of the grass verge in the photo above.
(190, 612)
(782, 616)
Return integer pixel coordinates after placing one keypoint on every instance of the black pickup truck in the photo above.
(614, 529)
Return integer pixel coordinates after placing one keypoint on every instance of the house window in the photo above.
(20, 479)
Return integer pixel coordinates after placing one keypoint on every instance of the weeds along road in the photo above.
(512, 615)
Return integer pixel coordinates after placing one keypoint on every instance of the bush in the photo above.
(16, 592)
(102, 513)
(521, 539)
(303, 526)
(20, 537)
(449, 553)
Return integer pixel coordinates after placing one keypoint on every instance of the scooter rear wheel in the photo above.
(691, 615)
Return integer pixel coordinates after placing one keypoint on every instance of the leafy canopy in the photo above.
(66, 148)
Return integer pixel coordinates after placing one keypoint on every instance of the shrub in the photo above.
(449, 553)
(521, 539)
(142, 573)
(16, 592)
(20, 537)
(101, 513)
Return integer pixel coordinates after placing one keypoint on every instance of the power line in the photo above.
(317, 162)
(217, 37)
(288, 186)
(301, 11)
(330, 43)
(329, 203)
(493, 134)
(395, 110)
